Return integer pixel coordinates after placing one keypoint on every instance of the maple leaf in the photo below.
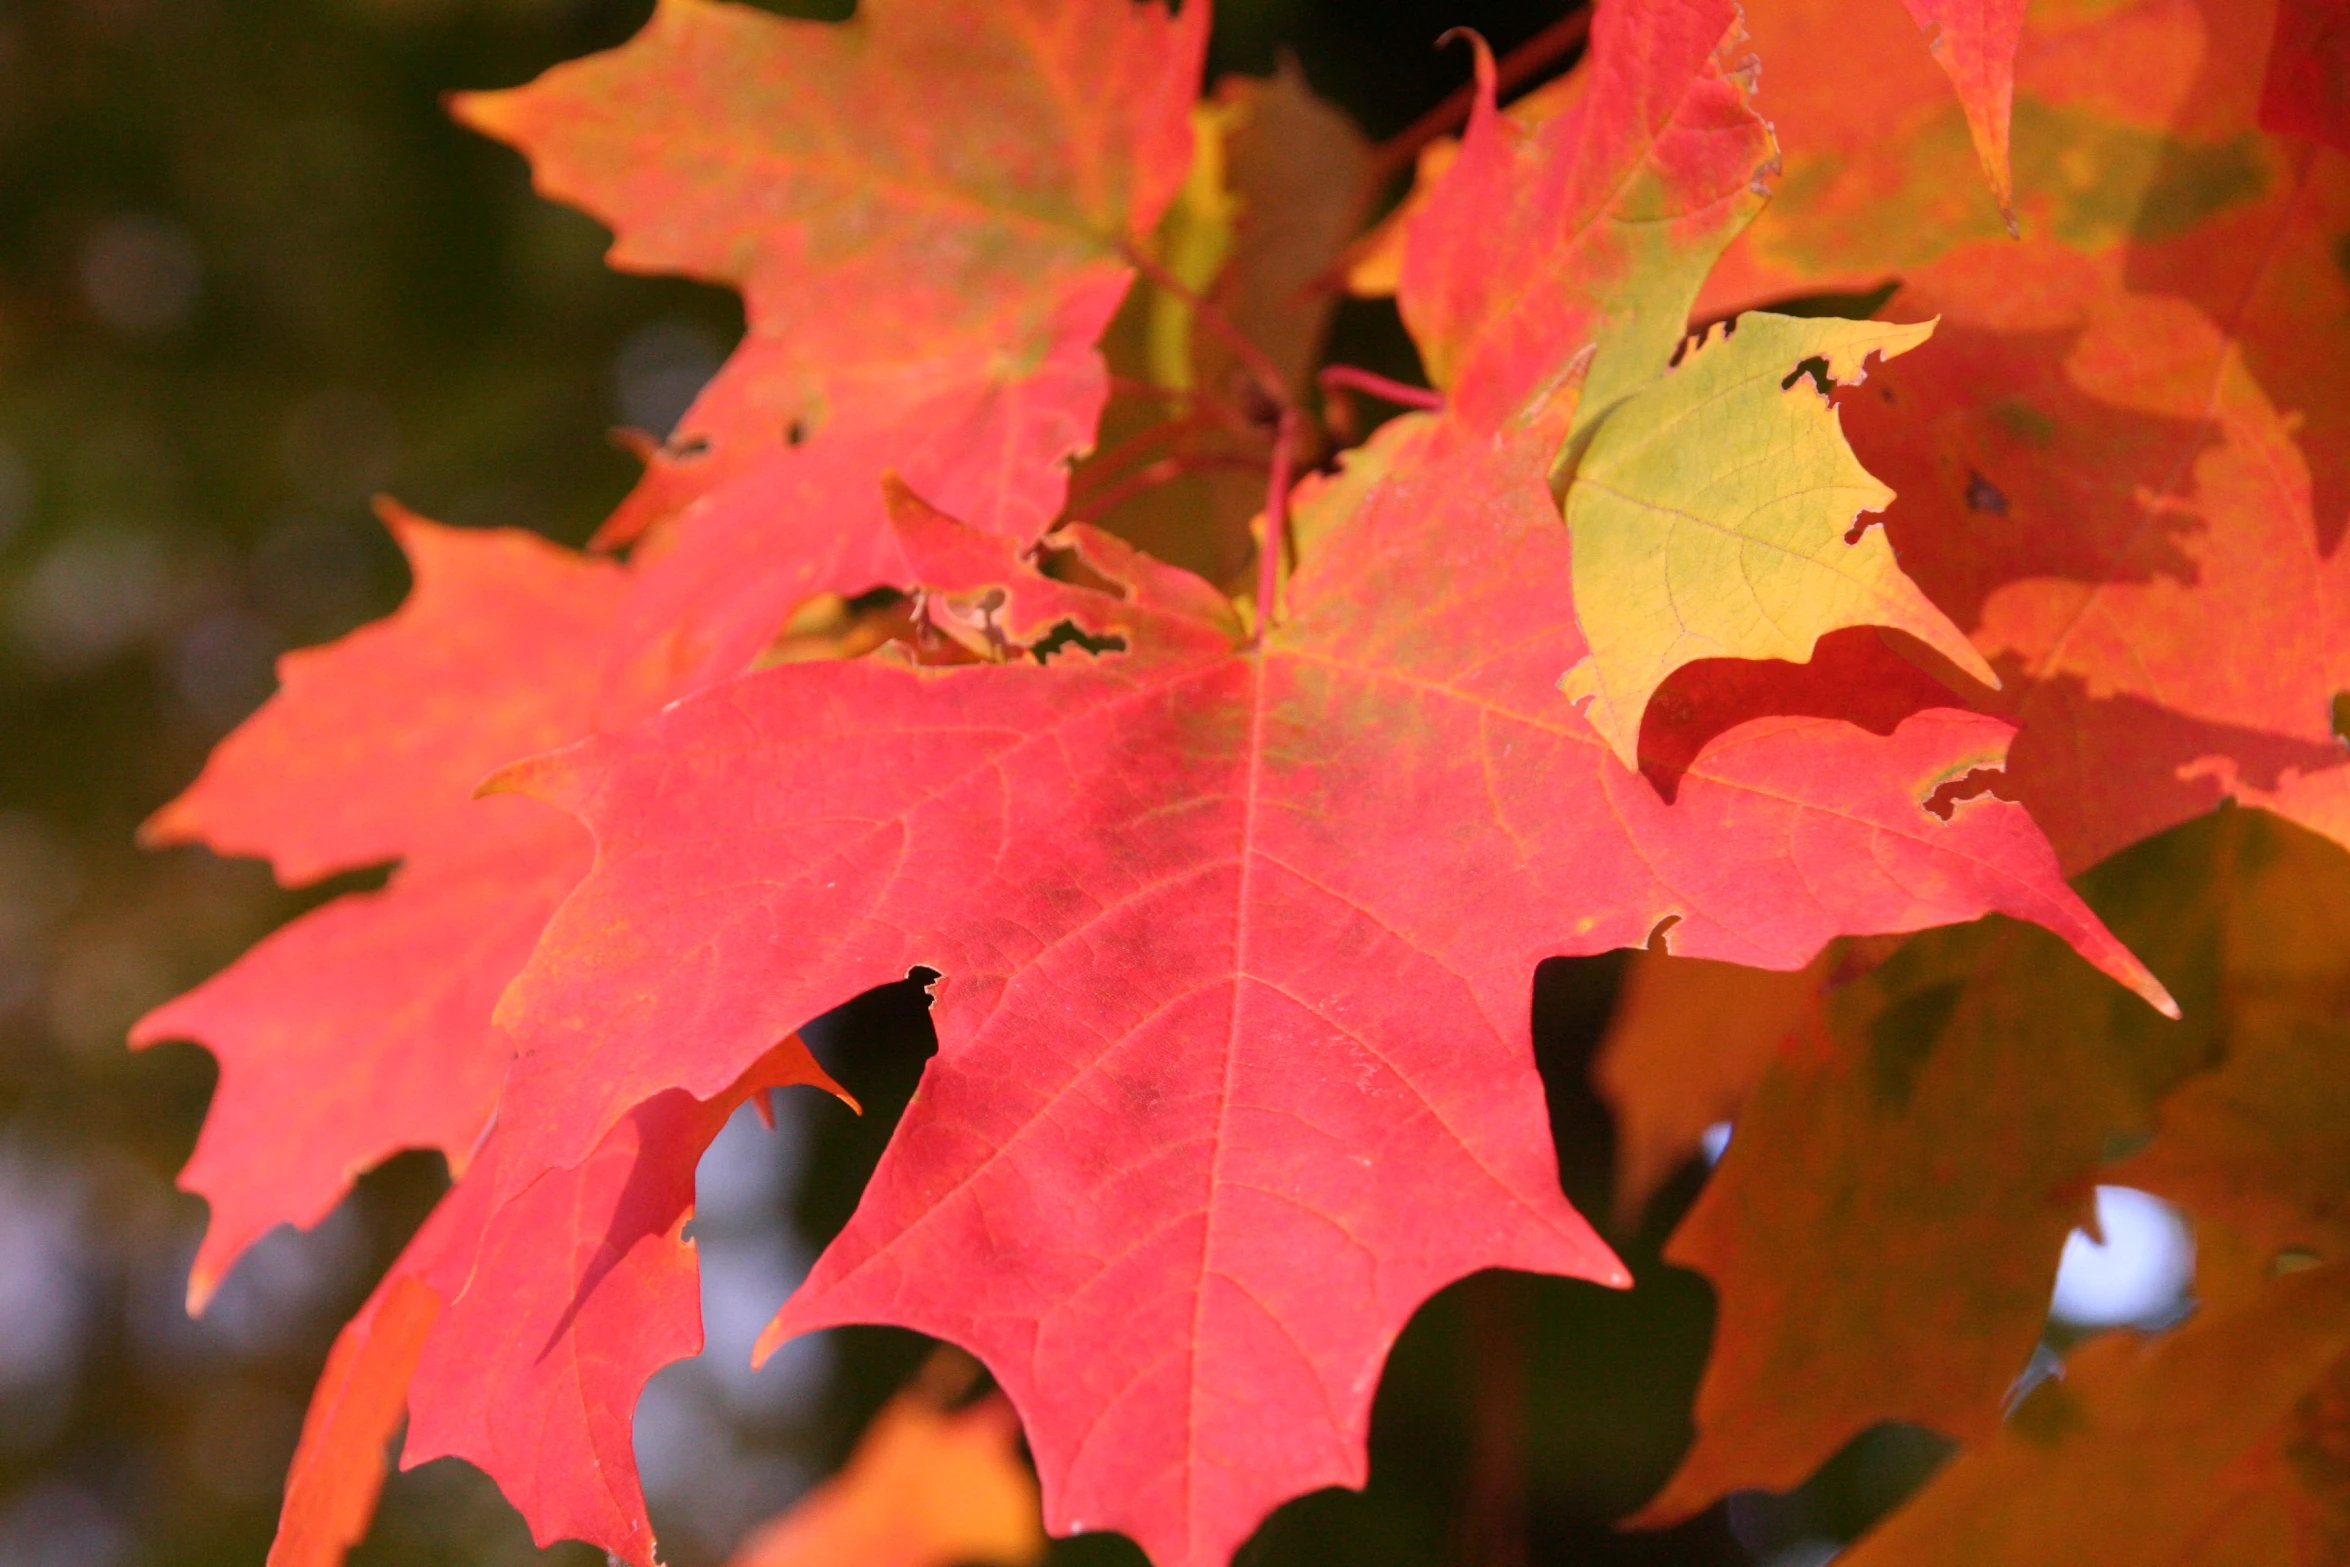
(1864, 1274)
(924, 287)
(2132, 445)
(372, 1014)
(519, 1334)
(1686, 1044)
(925, 208)
(928, 1486)
(2128, 1457)
(1610, 212)
(1974, 42)
(1714, 516)
(1202, 1013)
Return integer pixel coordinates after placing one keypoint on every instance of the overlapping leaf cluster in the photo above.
(1235, 889)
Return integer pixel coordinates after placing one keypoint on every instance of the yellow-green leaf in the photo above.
(1713, 516)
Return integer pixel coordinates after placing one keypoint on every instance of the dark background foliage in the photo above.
(250, 275)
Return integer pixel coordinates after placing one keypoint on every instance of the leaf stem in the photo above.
(1275, 543)
(1353, 378)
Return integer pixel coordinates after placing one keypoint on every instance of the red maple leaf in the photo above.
(363, 1027)
(925, 208)
(1234, 1068)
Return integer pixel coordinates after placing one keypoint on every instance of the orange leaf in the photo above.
(1885, 1228)
(2125, 1459)
(339, 1464)
(926, 1487)
(1689, 1040)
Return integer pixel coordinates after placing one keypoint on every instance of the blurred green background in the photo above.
(250, 275)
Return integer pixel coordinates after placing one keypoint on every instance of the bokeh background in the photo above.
(250, 276)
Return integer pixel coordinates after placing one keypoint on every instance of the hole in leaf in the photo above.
(1816, 368)
(2341, 716)
(1069, 634)
(1710, 331)
(1065, 562)
(827, 625)
(795, 433)
(1983, 495)
(1954, 791)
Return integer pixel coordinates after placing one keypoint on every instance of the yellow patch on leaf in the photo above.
(1713, 512)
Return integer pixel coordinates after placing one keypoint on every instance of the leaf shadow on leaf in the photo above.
(1854, 674)
(2073, 743)
(2192, 180)
(2046, 480)
(647, 1207)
